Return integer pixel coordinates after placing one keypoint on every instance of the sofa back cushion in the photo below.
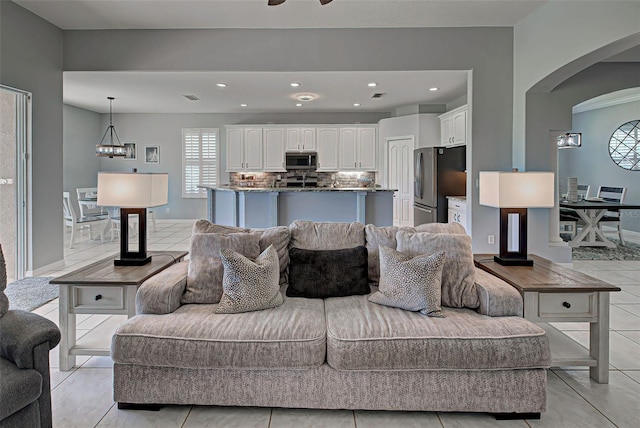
(204, 277)
(455, 228)
(377, 236)
(328, 273)
(458, 274)
(279, 237)
(310, 235)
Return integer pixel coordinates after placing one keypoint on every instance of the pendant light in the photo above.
(110, 150)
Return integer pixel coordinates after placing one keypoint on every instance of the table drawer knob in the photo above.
(566, 304)
(98, 296)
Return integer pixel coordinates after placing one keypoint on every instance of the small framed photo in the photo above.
(132, 152)
(152, 154)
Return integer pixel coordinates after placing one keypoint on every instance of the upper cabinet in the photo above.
(301, 139)
(327, 145)
(274, 144)
(358, 147)
(453, 127)
(244, 149)
(256, 148)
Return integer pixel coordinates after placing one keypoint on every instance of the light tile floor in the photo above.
(82, 397)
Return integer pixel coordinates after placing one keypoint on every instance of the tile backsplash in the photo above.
(268, 179)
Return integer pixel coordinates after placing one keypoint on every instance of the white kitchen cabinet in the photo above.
(244, 149)
(327, 145)
(301, 139)
(453, 127)
(274, 145)
(458, 211)
(358, 149)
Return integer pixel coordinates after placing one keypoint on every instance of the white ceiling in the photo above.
(161, 92)
(121, 14)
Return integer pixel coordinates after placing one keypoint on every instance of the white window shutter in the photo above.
(199, 160)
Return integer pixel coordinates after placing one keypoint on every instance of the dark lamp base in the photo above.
(511, 261)
(132, 262)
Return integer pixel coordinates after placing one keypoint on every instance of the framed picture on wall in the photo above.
(152, 154)
(132, 152)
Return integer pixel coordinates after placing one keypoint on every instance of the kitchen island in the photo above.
(268, 207)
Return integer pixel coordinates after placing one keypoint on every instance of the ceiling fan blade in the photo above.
(323, 2)
(275, 2)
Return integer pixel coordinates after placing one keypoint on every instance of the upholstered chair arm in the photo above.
(21, 333)
(497, 298)
(161, 293)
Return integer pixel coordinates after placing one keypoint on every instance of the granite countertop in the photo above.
(300, 189)
(461, 198)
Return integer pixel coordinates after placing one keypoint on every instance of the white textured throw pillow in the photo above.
(410, 283)
(247, 285)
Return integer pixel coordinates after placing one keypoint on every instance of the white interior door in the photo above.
(401, 178)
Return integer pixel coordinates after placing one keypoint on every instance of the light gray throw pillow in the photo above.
(410, 283)
(204, 277)
(458, 274)
(248, 285)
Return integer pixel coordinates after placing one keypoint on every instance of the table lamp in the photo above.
(513, 193)
(133, 192)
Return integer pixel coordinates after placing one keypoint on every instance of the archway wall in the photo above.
(561, 33)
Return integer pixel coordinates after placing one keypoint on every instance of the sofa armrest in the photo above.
(21, 333)
(161, 293)
(497, 297)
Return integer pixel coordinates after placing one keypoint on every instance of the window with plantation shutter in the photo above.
(199, 161)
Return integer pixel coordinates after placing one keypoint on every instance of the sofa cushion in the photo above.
(365, 336)
(279, 237)
(291, 336)
(455, 228)
(311, 235)
(204, 277)
(248, 285)
(328, 273)
(410, 283)
(18, 388)
(375, 237)
(458, 274)
(205, 226)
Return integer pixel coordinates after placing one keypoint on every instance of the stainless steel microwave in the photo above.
(302, 161)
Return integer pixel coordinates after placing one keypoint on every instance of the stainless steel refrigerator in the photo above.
(439, 172)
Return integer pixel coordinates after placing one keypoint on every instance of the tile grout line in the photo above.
(105, 415)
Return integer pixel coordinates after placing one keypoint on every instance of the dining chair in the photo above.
(612, 217)
(88, 201)
(78, 223)
(569, 220)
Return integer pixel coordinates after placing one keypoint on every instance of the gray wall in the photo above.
(32, 61)
(165, 130)
(486, 51)
(592, 164)
(82, 130)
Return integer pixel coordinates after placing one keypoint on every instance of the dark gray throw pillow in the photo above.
(328, 273)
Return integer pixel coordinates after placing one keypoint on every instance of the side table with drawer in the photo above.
(102, 288)
(553, 293)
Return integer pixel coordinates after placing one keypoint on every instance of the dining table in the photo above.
(591, 212)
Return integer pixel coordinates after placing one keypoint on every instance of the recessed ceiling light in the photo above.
(295, 84)
(221, 85)
(356, 104)
(372, 84)
(433, 89)
(243, 105)
(298, 104)
(305, 97)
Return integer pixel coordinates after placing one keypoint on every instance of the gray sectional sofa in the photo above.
(333, 353)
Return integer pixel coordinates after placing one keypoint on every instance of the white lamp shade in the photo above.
(517, 189)
(132, 189)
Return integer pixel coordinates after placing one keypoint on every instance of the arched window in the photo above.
(624, 148)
